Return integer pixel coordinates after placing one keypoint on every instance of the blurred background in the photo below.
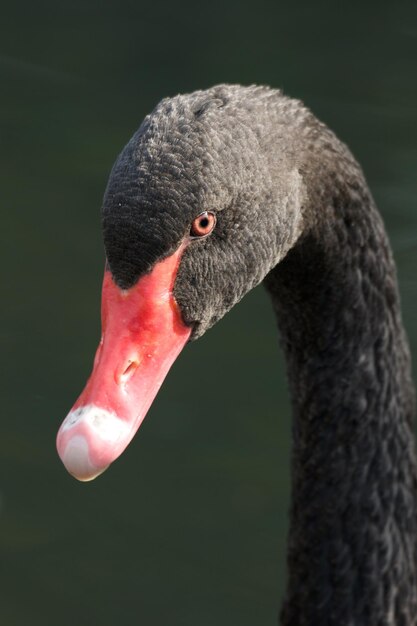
(189, 526)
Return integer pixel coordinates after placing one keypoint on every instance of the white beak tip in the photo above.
(76, 459)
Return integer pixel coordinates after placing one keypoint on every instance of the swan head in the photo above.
(204, 200)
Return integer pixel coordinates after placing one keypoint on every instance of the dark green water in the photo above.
(189, 526)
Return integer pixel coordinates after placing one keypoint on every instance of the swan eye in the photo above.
(203, 224)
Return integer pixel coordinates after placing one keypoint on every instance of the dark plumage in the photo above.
(293, 209)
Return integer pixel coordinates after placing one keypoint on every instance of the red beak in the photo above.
(142, 334)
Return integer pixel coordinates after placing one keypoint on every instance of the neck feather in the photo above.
(353, 531)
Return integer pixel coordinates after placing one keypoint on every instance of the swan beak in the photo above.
(142, 335)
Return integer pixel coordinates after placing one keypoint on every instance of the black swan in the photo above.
(217, 191)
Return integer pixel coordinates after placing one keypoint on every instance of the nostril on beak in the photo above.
(128, 371)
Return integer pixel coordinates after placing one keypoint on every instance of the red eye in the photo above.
(203, 224)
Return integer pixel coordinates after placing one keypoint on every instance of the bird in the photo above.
(220, 190)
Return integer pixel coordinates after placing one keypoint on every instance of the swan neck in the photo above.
(353, 529)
